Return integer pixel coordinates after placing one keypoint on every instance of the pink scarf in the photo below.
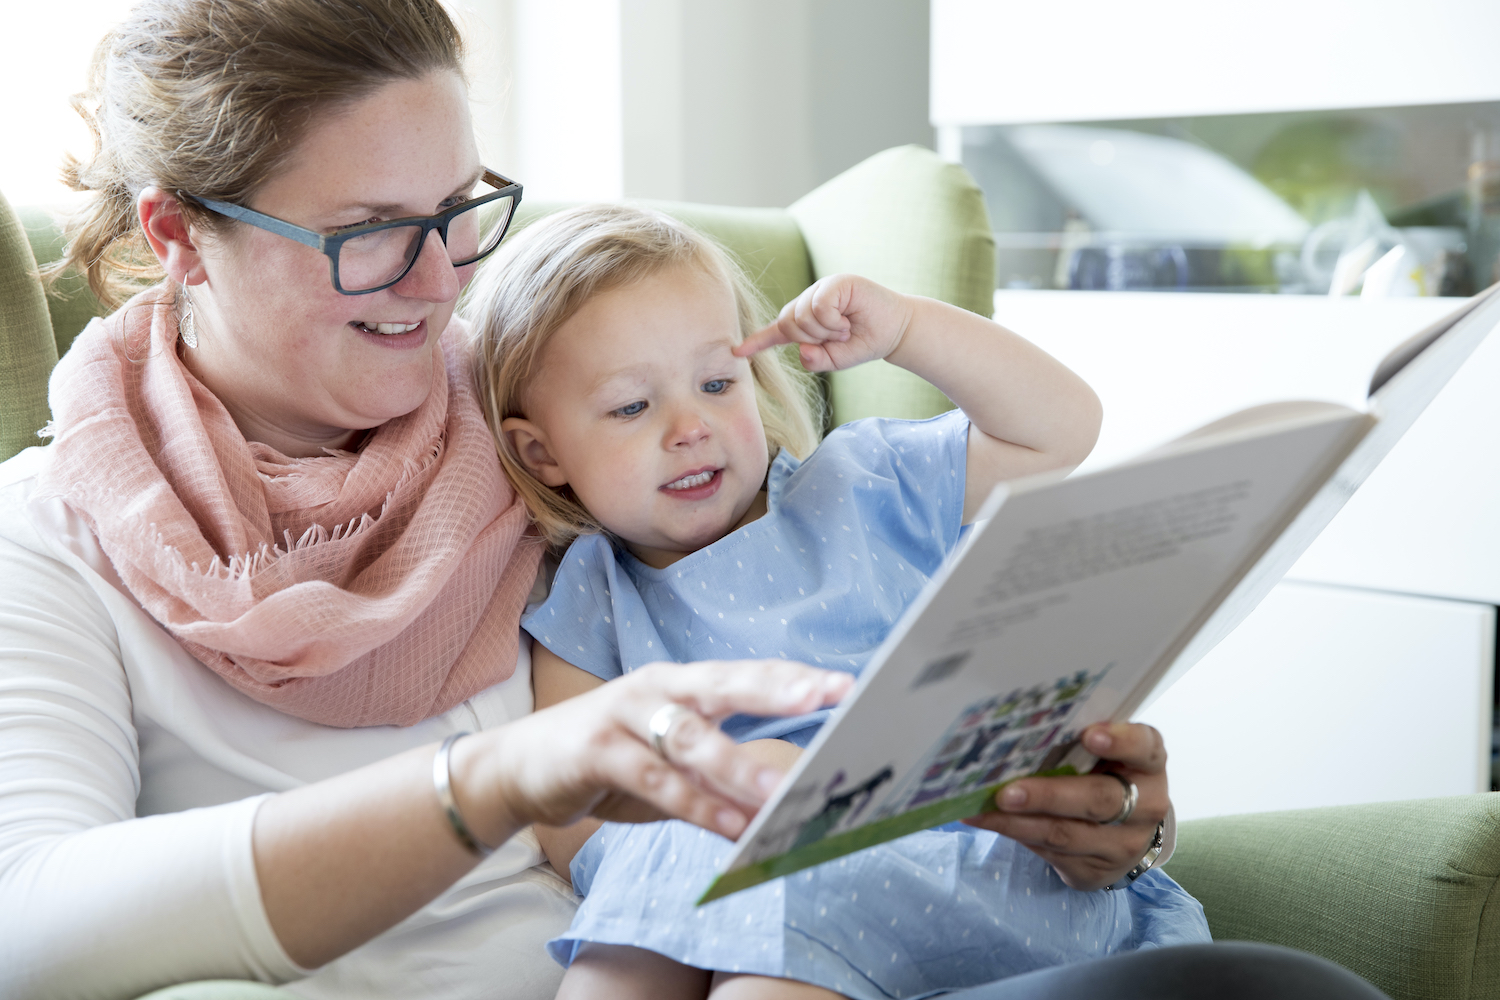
(357, 589)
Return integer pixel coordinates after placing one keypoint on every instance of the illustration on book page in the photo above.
(994, 740)
(990, 741)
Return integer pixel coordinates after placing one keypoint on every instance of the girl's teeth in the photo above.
(689, 482)
(390, 328)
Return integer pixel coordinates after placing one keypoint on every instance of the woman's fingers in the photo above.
(721, 688)
(593, 754)
(643, 778)
(1138, 747)
(1062, 819)
(716, 690)
(1134, 751)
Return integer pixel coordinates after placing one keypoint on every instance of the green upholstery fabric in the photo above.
(766, 241)
(27, 350)
(69, 300)
(910, 221)
(220, 989)
(1404, 894)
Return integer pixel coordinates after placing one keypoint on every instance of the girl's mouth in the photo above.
(695, 485)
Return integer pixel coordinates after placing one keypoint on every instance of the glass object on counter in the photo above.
(1377, 202)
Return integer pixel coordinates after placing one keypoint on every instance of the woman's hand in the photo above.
(591, 755)
(1060, 819)
(840, 321)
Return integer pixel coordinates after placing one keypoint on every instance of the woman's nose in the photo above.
(433, 277)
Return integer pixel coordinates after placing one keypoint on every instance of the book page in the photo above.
(1059, 612)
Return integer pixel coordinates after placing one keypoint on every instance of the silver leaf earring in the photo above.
(185, 328)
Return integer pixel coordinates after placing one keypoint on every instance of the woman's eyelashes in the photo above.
(443, 206)
(355, 225)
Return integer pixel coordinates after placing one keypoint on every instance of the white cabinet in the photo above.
(1367, 675)
(1332, 696)
(1000, 63)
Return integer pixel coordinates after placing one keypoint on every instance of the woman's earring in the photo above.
(185, 328)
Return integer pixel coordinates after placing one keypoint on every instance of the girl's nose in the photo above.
(687, 428)
(432, 277)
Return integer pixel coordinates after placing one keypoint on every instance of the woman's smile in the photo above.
(393, 336)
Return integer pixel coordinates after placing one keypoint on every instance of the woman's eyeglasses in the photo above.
(367, 258)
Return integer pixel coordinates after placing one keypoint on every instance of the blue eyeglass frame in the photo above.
(330, 245)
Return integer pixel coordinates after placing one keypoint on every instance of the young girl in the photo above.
(643, 418)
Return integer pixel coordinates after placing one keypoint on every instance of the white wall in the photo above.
(731, 102)
(37, 80)
(737, 102)
(545, 86)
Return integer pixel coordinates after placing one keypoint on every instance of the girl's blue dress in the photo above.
(848, 540)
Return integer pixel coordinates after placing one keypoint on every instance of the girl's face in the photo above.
(299, 365)
(641, 408)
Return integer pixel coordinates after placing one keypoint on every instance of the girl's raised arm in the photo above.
(1028, 412)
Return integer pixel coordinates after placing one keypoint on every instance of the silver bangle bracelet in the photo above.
(442, 781)
(1144, 865)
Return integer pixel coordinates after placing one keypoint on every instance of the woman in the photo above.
(268, 568)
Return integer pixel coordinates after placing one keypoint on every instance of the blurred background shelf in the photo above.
(1128, 154)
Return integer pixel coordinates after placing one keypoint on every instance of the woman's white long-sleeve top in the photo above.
(129, 779)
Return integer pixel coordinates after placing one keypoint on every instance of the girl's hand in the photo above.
(1059, 819)
(591, 755)
(839, 322)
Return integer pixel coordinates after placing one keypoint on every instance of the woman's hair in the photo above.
(210, 97)
(544, 274)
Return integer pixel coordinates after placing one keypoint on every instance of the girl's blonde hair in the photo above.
(544, 274)
(210, 97)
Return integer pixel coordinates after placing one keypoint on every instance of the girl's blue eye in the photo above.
(631, 409)
(716, 385)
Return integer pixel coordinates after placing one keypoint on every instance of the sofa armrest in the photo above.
(1402, 893)
(27, 351)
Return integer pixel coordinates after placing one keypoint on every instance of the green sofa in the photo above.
(1405, 894)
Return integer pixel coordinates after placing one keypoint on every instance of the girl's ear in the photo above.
(530, 445)
(170, 236)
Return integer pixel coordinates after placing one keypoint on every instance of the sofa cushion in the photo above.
(69, 300)
(27, 350)
(1402, 893)
(912, 222)
(765, 241)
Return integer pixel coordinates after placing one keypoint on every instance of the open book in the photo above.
(1071, 600)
